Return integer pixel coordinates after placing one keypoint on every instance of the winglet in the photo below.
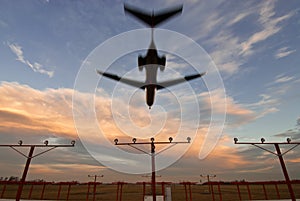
(152, 19)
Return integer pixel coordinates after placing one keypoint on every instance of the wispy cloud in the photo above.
(283, 52)
(270, 25)
(293, 133)
(230, 49)
(35, 66)
(257, 170)
(282, 79)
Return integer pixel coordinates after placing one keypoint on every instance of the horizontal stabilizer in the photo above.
(169, 83)
(123, 80)
(152, 19)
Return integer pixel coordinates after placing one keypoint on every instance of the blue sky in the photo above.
(254, 45)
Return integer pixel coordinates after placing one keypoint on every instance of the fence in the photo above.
(121, 191)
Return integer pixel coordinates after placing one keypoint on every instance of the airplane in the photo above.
(151, 61)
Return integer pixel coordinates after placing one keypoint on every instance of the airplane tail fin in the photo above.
(152, 19)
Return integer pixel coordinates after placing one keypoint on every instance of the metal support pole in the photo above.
(277, 191)
(3, 190)
(144, 190)
(30, 191)
(58, 192)
(284, 170)
(190, 191)
(212, 191)
(153, 182)
(94, 190)
(208, 183)
(117, 192)
(220, 192)
(239, 191)
(43, 191)
(249, 192)
(68, 193)
(88, 192)
(121, 191)
(20, 189)
(265, 192)
(163, 188)
(186, 194)
(280, 156)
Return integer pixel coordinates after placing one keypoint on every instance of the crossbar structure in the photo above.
(152, 154)
(208, 180)
(277, 153)
(95, 184)
(31, 156)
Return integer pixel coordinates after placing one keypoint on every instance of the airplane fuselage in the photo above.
(151, 62)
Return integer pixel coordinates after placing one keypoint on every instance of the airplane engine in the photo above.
(141, 62)
(162, 63)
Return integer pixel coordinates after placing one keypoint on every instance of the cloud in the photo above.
(238, 114)
(36, 67)
(227, 53)
(283, 52)
(270, 25)
(25, 111)
(239, 17)
(24, 108)
(42, 169)
(293, 133)
(231, 49)
(282, 79)
(295, 160)
(264, 169)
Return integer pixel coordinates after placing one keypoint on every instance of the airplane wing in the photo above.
(152, 19)
(169, 83)
(165, 14)
(133, 83)
(141, 15)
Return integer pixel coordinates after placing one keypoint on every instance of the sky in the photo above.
(49, 89)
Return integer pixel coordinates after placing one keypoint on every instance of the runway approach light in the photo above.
(188, 139)
(134, 140)
(73, 142)
(235, 140)
(288, 140)
(170, 139)
(116, 141)
(46, 142)
(262, 140)
(20, 142)
(152, 139)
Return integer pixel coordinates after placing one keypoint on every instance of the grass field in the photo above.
(134, 192)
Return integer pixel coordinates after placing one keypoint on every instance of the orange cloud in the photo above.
(24, 108)
(220, 102)
(51, 111)
(295, 160)
(61, 168)
(223, 155)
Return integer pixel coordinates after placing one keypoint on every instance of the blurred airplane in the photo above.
(151, 61)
